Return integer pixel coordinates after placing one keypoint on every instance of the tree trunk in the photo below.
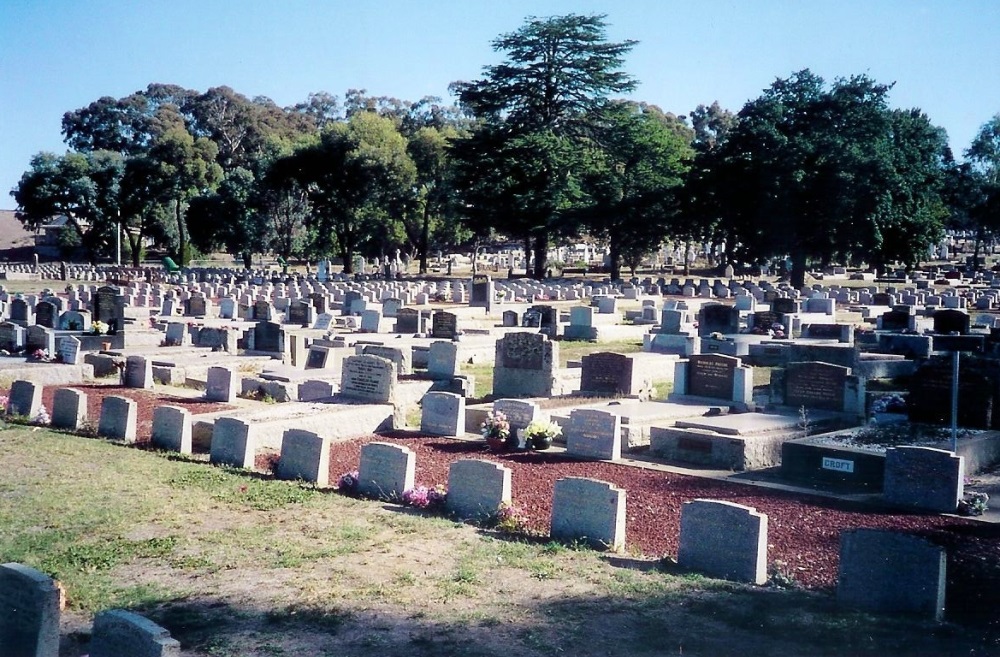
(182, 251)
(425, 238)
(798, 275)
(247, 260)
(135, 245)
(687, 258)
(541, 254)
(614, 259)
(527, 255)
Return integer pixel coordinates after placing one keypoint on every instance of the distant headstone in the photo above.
(442, 414)
(951, 321)
(520, 413)
(509, 318)
(306, 456)
(483, 291)
(138, 372)
(69, 409)
(172, 429)
(718, 318)
(477, 488)
(525, 365)
(11, 336)
(408, 320)
(262, 311)
(120, 633)
(20, 312)
(816, 384)
(402, 358)
(594, 433)
(386, 471)
(589, 510)
(368, 378)
(370, 321)
(267, 337)
(118, 418)
(300, 313)
(444, 326)
(39, 338)
(196, 306)
(109, 307)
(929, 398)
(711, 375)
(442, 360)
(891, 573)
(46, 314)
(724, 540)
(29, 612)
(221, 385)
(923, 478)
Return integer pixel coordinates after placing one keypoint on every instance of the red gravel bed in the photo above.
(146, 402)
(803, 530)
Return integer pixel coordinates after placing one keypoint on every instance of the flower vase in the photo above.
(540, 441)
(496, 442)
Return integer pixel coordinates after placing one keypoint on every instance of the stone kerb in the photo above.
(306, 456)
(589, 510)
(172, 429)
(924, 478)
(889, 572)
(442, 414)
(25, 399)
(594, 434)
(368, 378)
(477, 488)
(29, 612)
(69, 409)
(118, 418)
(386, 470)
(724, 540)
(234, 442)
(221, 384)
(120, 633)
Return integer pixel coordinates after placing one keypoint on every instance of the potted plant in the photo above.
(495, 429)
(540, 434)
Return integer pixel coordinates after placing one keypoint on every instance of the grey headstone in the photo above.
(594, 434)
(69, 409)
(25, 399)
(386, 470)
(520, 413)
(120, 633)
(924, 478)
(890, 573)
(589, 510)
(138, 372)
(306, 456)
(29, 612)
(118, 418)
(477, 488)
(368, 378)
(172, 429)
(442, 360)
(234, 442)
(221, 385)
(442, 414)
(724, 540)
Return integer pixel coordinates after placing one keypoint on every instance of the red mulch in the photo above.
(146, 401)
(803, 530)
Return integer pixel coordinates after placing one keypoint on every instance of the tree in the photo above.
(358, 179)
(535, 110)
(822, 174)
(231, 218)
(637, 165)
(982, 181)
(434, 200)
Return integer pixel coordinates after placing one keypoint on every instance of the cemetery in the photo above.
(743, 406)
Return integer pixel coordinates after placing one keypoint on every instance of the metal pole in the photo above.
(118, 243)
(954, 401)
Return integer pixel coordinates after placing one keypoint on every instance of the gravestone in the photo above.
(477, 488)
(525, 365)
(718, 318)
(815, 384)
(483, 292)
(138, 372)
(442, 360)
(368, 378)
(108, 306)
(607, 373)
(267, 337)
(318, 357)
(442, 414)
(401, 358)
(320, 303)
(391, 306)
(509, 318)
(370, 321)
(349, 298)
(588, 510)
(177, 335)
(594, 433)
(896, 320)
(299, 312)
(784, 305)
(118, 418)
(882, 299)
(262, 311)
(891, 573)
(39, 338)
(20, 312)
(444, 326)
(69, 350)
(385, 471)
(234, 442)
(74, 320)
(29, 612)
(764, 320)
(408, 320)
(315, 389)
(195, 306)
(711, 375)
(306, 456)
(923, 478)
(951, 321)
(46, 314)
(120, 633)
(548, 322)
(519, 413)
(221, 385)
(723, 540)
(929, 398)
(69, 409)
(25, 399)
(11, 337)
(172, 429)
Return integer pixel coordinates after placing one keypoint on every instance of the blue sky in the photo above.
(59, 55)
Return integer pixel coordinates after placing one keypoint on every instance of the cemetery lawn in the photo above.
(238, 564)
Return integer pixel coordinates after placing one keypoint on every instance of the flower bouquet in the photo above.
(540, 434)
(496, 430)
(98, 328)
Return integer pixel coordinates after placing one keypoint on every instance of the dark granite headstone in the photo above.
(11, 336)
(548, 318)
(814, 384)
(606, 373)
(298, 313)
(407, 320)
(444, 326)
(109, 307)
(19, 311)
(784, 305)
(895, 320)
(764, 320)
(349, 298)
(195, 307)
(881, 299)
(711, 375)
(945, 321)
(46, 314)
(267, 337)
(929, 398)
(262, 311)
(718, 318)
